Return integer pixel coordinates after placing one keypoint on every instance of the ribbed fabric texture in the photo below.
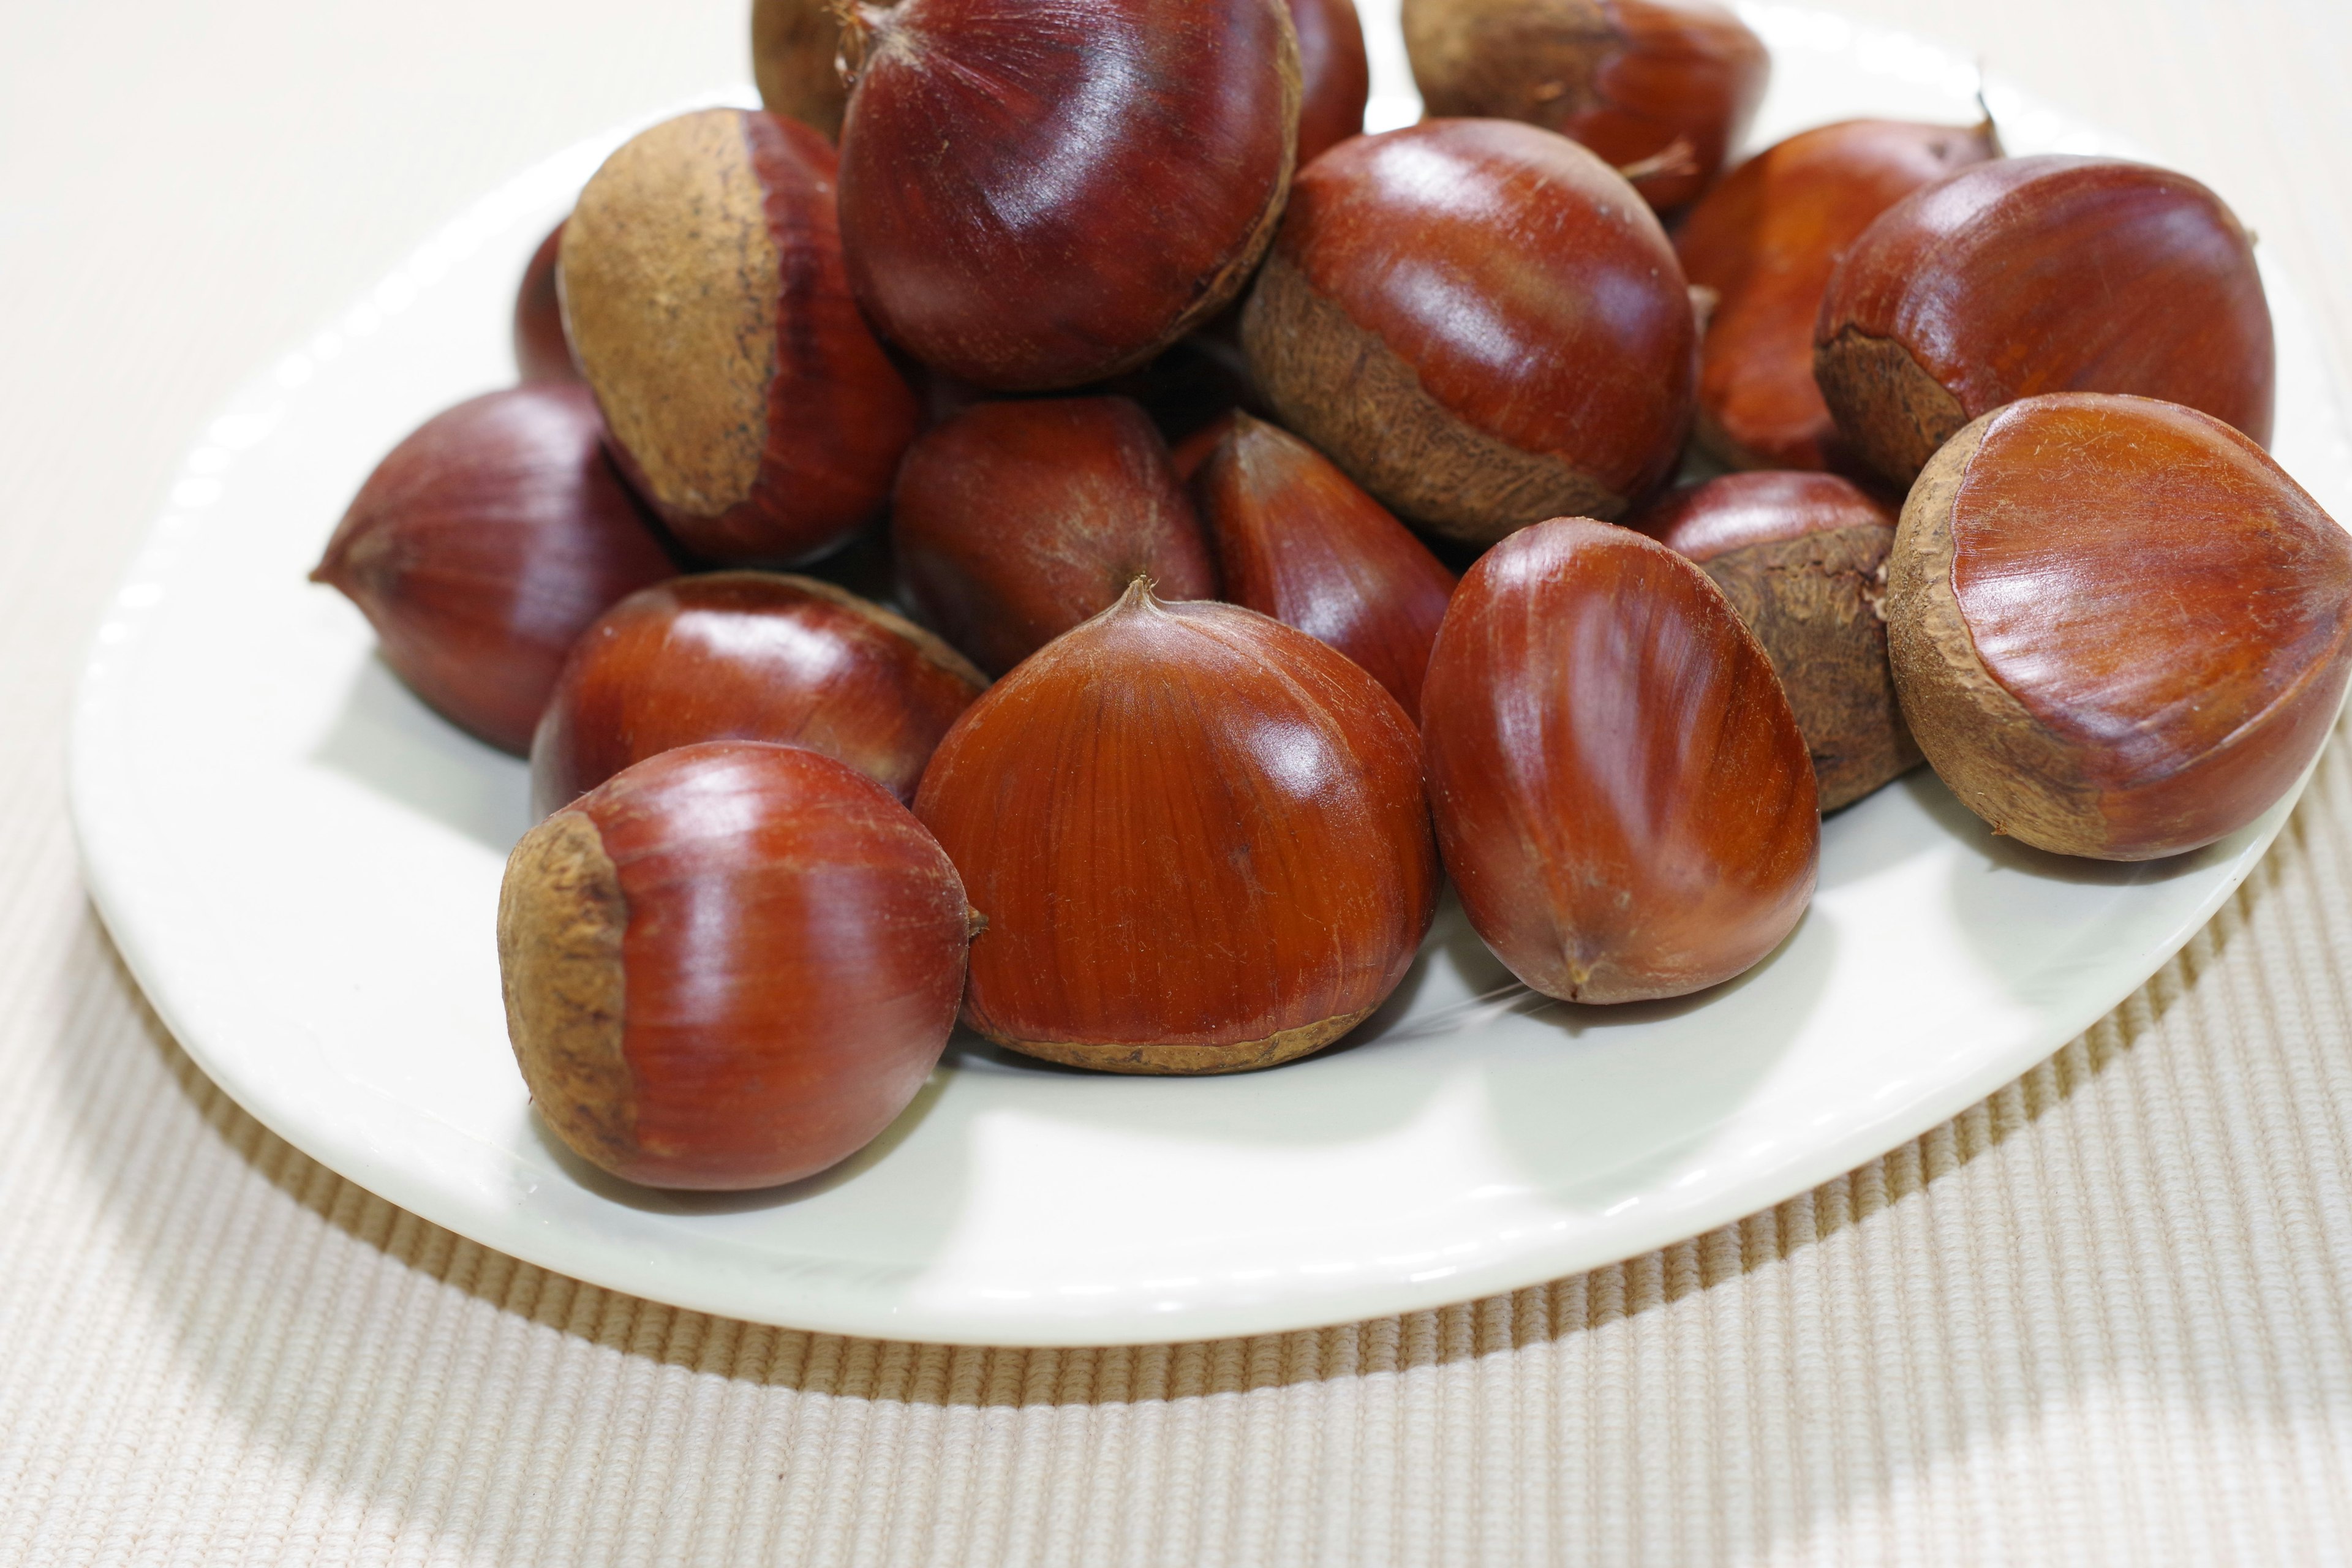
(2104, 1317)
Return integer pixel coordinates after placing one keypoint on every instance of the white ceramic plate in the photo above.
(300, 865)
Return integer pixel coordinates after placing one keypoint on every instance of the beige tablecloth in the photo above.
(2102, 1318)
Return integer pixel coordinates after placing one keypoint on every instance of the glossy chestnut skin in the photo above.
(1016, 521)
(1335, 78)
(1480, 323)
(484, 544)
(794, 45)
(729, 967)
(2119, 629)
(1669, 84)
(1766, 240)
(1621, 794)
(1036, 196)
(1198, 837)
(708, 303)
(1802, 557)
(749, 655)
(2027, 275)
(1295, 538)
(541, 350)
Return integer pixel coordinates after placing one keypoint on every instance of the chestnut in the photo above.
(1295, 538)
(2026, 276)
(540, 350)
(2119, 629)
(1334, 76)
(1623, 797)
(1036, 196)
(1666, 87)
(708, 305)
(484, 544)
(729, 966)
(1802, 558)
(1766, 240)
(1014, 521)
(749, 655)
(1198, 837)
(795, 46)
(1480, 323)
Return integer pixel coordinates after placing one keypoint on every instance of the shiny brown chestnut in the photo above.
(2026, 276)
(1036, 196)
(1802, 558)
(1334, 76)
(1198, 837)
(541, 351)
(729, 966)
(796, 47)
(484, 544)
(708, 305)
(1766, 240)
(1621, 794)
(2119, 629)
(749, 655)
(1663, 88)
(1014, 521)
(1480, 323)
(1295, 538)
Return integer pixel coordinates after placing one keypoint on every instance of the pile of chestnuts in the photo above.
(1047, 524)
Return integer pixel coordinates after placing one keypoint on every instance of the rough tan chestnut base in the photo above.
(1979, 738)
(561, 916)
(793, 43)
(1350, 394)
(669, 297)
(1894, 413)
(1518, 59)
(1243, 1056)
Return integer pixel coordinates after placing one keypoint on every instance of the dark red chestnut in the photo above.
(1295, 538)
(795, 46)
(729, 966)
(1766, 240)
(1036, 196)
(1802, 558)
(1014, 521)
(2119, 629)
(1335, 78)
(1480, 323)
(1621, 794)
(2026, 276)
(484, 544)
(1663, 88)
(1198, 838)
(749, 655)
(708, 305)
(541, 353)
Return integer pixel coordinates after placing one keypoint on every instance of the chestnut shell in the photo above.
(541, 351)
(1335, 76)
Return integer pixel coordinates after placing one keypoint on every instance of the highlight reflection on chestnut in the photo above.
(1622, 794)
(749, 655)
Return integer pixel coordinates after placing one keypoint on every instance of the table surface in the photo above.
(2106, 1316)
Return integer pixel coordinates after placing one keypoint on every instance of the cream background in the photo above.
(2104, 1317)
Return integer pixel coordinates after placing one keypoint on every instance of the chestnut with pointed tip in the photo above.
(1335, 78)
(540, 350)
(1802, 559)
(1036, 196)
(1670, 84)
(1766, 240)
(1295, 538)
(749, 655)
(708, 305)
(729, 966)
(795, 46)
(2119, 629)
(484, 544)
(1197, 836)
(1480, 323)
(1621, 794)
(1014, 521)
(2026, 276)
